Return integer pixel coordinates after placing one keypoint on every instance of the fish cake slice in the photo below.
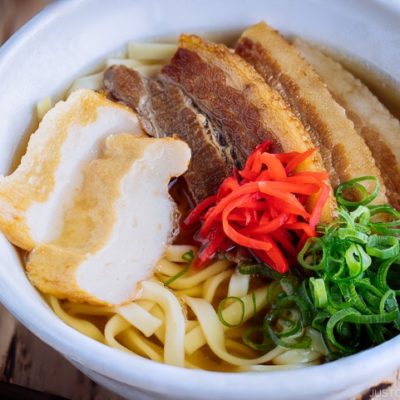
(34, 197)
(118, 225)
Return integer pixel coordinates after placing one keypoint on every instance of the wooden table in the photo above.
(28, 364)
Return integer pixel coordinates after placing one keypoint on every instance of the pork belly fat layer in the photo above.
(344, 152)
(166, 111)
(372, 121)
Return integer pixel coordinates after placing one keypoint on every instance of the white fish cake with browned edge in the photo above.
(33, 199)
(118, 226)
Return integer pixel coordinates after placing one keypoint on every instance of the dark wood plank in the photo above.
(9, 391)
(27, 362)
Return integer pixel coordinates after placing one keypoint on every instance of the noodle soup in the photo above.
(265, 268)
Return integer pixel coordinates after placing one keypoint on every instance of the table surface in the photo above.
(29, 369)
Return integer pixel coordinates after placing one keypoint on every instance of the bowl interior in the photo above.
(71, 38)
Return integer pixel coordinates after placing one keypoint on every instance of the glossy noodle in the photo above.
(174, 324)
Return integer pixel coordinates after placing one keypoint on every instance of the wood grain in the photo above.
(14, 13)
(26, 363)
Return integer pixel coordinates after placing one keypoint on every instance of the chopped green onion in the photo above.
(273, 292)
(351, 280)
(353, 235)
(266, 343)
(177, 276)
(354, 186)
(221, 307)
(383, 247)
(388, 302)
(311, 253)
(289, 284)
(373, 319)
(356, 265)
(289, 323)
(304, 302)
(188, 256)
(381, 276)
(334, 322)
(319, 292)
(361, 215)
(357, 260)
(260, 269)
(303, 342)
(346, 217)
(254, 301)
(354, 298)
(383, 209)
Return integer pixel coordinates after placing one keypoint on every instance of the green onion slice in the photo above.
(342, 330)
(353, 235)
(350, 280)
(312, 255)
(355, 186)
(357, 260)
(261, 269)
(177, 276)
(303, 342)
(383, 247)
(319, 292)
(247, 336)
(361, 215)
(254, 302)
(188, 256)
(221, 309)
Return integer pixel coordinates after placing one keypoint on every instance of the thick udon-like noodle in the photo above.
(183, 317)
(179, 324)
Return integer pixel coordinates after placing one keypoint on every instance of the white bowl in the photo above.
(68, 39)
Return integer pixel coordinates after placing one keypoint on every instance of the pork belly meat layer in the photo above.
(372, 120)
(165, 110)
(237, 100)
(344, 152)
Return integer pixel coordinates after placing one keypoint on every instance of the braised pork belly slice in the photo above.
(165, 110)
(118, 225)
(237, 100)
(372, 121)
(344, 152)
